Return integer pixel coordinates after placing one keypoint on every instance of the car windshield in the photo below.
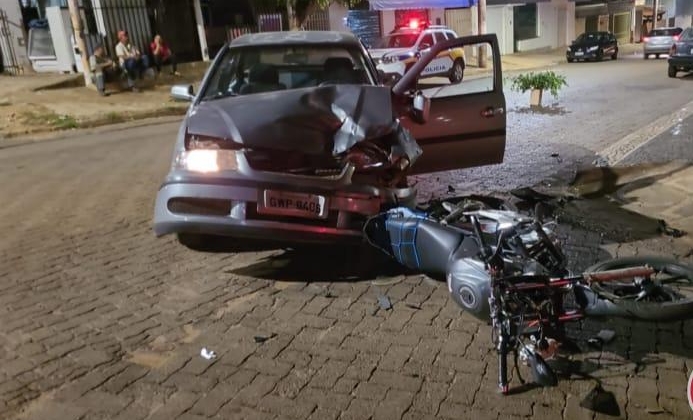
(687, 35)
(397, 41)
(588, 37)
(266, 68)
(665, 32)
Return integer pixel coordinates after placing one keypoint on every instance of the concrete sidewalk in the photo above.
(39, 103)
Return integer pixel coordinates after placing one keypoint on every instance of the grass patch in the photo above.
(114, 117)
(50, 119)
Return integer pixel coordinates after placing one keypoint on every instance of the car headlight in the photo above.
(595, 48)
(205, 157)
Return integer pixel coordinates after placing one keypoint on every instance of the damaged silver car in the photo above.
(293, 138)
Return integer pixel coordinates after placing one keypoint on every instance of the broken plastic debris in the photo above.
(207, 354)
(263, 338)
(667, 230)
(384, 302)
(606, 335)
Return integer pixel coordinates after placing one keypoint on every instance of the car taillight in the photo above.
(676, 38)
(646, 39)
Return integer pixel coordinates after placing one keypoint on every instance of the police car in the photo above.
(396, 52)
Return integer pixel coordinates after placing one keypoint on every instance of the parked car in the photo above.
(593, 46)
(292, 138)
(681, 54)
(397, 51)
(659, 41)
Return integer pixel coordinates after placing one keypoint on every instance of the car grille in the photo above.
(294, 163)
(200, 206)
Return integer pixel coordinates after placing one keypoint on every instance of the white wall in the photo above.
(337, 14)
(683, 21)
(549, 18)
(499, 21)
(387, 21)
(434, 14)
(17, 36)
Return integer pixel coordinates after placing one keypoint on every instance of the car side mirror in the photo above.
(183, 92)
(420, 107)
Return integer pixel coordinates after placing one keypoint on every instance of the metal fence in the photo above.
(8, 58)
(111, 16)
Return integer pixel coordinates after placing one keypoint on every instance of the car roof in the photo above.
(296, 38)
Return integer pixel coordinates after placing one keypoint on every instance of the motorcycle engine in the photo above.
(530, 249)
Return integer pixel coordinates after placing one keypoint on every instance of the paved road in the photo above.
(102, 320)
(675, 143)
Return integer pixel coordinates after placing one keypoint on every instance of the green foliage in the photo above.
(545, 80)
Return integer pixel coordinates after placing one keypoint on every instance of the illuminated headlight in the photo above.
(595, 48)
(206, 160)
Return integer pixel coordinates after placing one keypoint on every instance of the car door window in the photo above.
(466, 125)
(450, 35)
(439, 36)
(427, 39)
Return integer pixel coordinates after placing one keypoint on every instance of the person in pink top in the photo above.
(162, 55)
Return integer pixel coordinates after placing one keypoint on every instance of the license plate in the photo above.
(577, 53)
(293, 204)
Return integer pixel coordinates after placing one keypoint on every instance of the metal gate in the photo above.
(8, 59)
(130, 15)
(365, 24)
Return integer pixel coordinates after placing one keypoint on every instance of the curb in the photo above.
(66, 134)
(618, 151)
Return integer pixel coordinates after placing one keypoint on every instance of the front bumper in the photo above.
(577, 55)
(229, 207)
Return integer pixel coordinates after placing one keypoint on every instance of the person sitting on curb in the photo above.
(131, 60)
(162, 55)
(101, 66)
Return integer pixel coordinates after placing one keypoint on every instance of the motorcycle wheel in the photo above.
(672, 299)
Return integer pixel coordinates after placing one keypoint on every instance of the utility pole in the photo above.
(655, 15)
(79, 39)
(482, 30)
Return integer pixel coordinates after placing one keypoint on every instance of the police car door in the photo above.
(466, 124)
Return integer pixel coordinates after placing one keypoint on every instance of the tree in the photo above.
(298, 11)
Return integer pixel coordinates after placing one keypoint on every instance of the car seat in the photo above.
(339, 70)
(262, 78)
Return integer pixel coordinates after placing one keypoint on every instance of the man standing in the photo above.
(130, 58)
(162, 55)
(100, 65)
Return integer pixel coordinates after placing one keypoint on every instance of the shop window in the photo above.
(526, 22)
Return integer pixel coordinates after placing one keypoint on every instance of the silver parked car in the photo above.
(292, 138)
(659, 41)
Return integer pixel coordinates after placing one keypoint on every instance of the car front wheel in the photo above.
(672, 71)
(457, 71)
(600, 54)
(614, 56)
(570, 60)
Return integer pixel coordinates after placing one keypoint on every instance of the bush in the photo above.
(545, 80)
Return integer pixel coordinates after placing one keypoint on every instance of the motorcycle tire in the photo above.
(603, 299)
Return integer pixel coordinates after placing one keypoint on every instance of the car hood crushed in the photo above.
(328, 120)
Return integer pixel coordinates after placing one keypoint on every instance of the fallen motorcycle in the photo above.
(508, 268)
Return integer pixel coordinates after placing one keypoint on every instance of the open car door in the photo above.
(463, 124)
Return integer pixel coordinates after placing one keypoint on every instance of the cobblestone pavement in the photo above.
(101, 320)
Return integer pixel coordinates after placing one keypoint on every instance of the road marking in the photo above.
(620, 150)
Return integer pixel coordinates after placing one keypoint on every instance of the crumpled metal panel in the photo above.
(327, 120)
